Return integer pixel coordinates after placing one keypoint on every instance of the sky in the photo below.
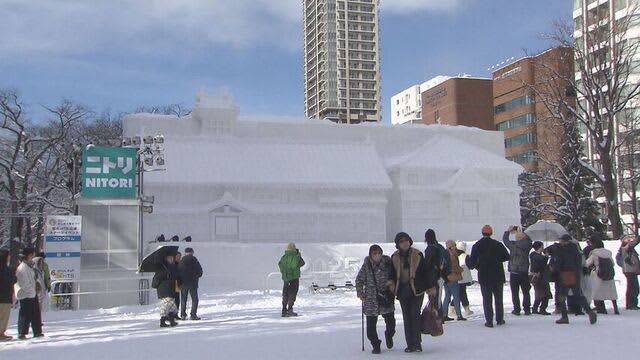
(120, 55)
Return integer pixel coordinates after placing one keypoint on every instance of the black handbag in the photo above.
(384, 298)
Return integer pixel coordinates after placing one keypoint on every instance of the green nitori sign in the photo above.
(109, 173)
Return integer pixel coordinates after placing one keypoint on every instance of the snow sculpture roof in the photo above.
(242, 162)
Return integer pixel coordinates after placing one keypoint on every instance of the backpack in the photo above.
(445, 262)
(605, 269)
(620, 258)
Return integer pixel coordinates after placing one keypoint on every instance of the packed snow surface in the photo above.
(247, 325)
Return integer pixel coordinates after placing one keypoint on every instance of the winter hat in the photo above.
(565, 237)
(462, 246)
(175, 238)
(188, 250)
(291, 247)
(487, 230)
(537, 245)
(402, 235)
(374, 247)
(450, 244)
(430, 237)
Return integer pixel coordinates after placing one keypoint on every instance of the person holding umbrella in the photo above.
(166, 280)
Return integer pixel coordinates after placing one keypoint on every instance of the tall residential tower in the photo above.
(342, 60)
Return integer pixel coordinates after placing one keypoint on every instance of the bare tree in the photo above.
(171, 109)
(600, 93)
(32, 165)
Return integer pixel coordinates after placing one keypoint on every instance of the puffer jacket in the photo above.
(26, 286)
(519, 253)
(601, 289)
(166, 281)
(366, 286)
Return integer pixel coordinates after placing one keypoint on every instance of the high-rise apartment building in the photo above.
(342, 60)
(604, 30)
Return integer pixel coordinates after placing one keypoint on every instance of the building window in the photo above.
(523, 158)
(515, 103)
(528, 138)
(526, 119)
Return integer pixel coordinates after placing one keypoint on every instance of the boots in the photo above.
(376, 346)
(564, 319)
(290, 311)
(389, 340)
(593, 318)
(615, 307)
(172, 320)
(467, 311)
(284, 311)
(600, 308)
(163, 322)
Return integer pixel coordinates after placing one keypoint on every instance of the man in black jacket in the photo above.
(190, 272)
(487, 256)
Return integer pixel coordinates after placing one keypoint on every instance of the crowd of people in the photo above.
(580, 277)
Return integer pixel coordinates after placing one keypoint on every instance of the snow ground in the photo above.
(246, 325)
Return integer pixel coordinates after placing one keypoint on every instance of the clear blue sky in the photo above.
(120, 55)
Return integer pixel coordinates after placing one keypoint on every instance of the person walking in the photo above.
(603, 286)
(165, 281)
(631, 268)
(487, 256)
(190, 272)
(26, 293)
(412, 281)
(519, 250)
(374, 286)
(540, 279)
(7, 281)
(290, 264)
(451, 287)
(566, 264)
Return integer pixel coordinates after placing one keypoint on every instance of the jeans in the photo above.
(372, 321)
(29, 315)
(194, 301)
(520, 281)
(451, 288)
(491, 292)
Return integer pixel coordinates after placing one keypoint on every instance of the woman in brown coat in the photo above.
(451, 287)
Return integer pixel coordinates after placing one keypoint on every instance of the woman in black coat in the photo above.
(166, 280)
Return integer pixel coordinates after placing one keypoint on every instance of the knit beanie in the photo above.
(291, 247)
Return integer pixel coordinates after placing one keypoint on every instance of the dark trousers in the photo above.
(176, 298)
(562, 292)
(464, 299)
(520, 281)
(194, 301)
(29, 315)
(491, 293)
(411, 306)
(632, 291)
(372, 321)
(289, 293)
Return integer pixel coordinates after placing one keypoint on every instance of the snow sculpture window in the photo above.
(226, 227)
(470, 208)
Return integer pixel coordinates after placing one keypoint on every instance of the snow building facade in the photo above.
(232, 179)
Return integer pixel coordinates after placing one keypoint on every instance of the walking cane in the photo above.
(362, 313)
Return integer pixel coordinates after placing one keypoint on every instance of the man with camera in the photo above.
(519, 248)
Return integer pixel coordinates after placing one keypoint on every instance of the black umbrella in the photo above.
(152, 262)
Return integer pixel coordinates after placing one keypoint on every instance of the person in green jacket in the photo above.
(290, 264)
